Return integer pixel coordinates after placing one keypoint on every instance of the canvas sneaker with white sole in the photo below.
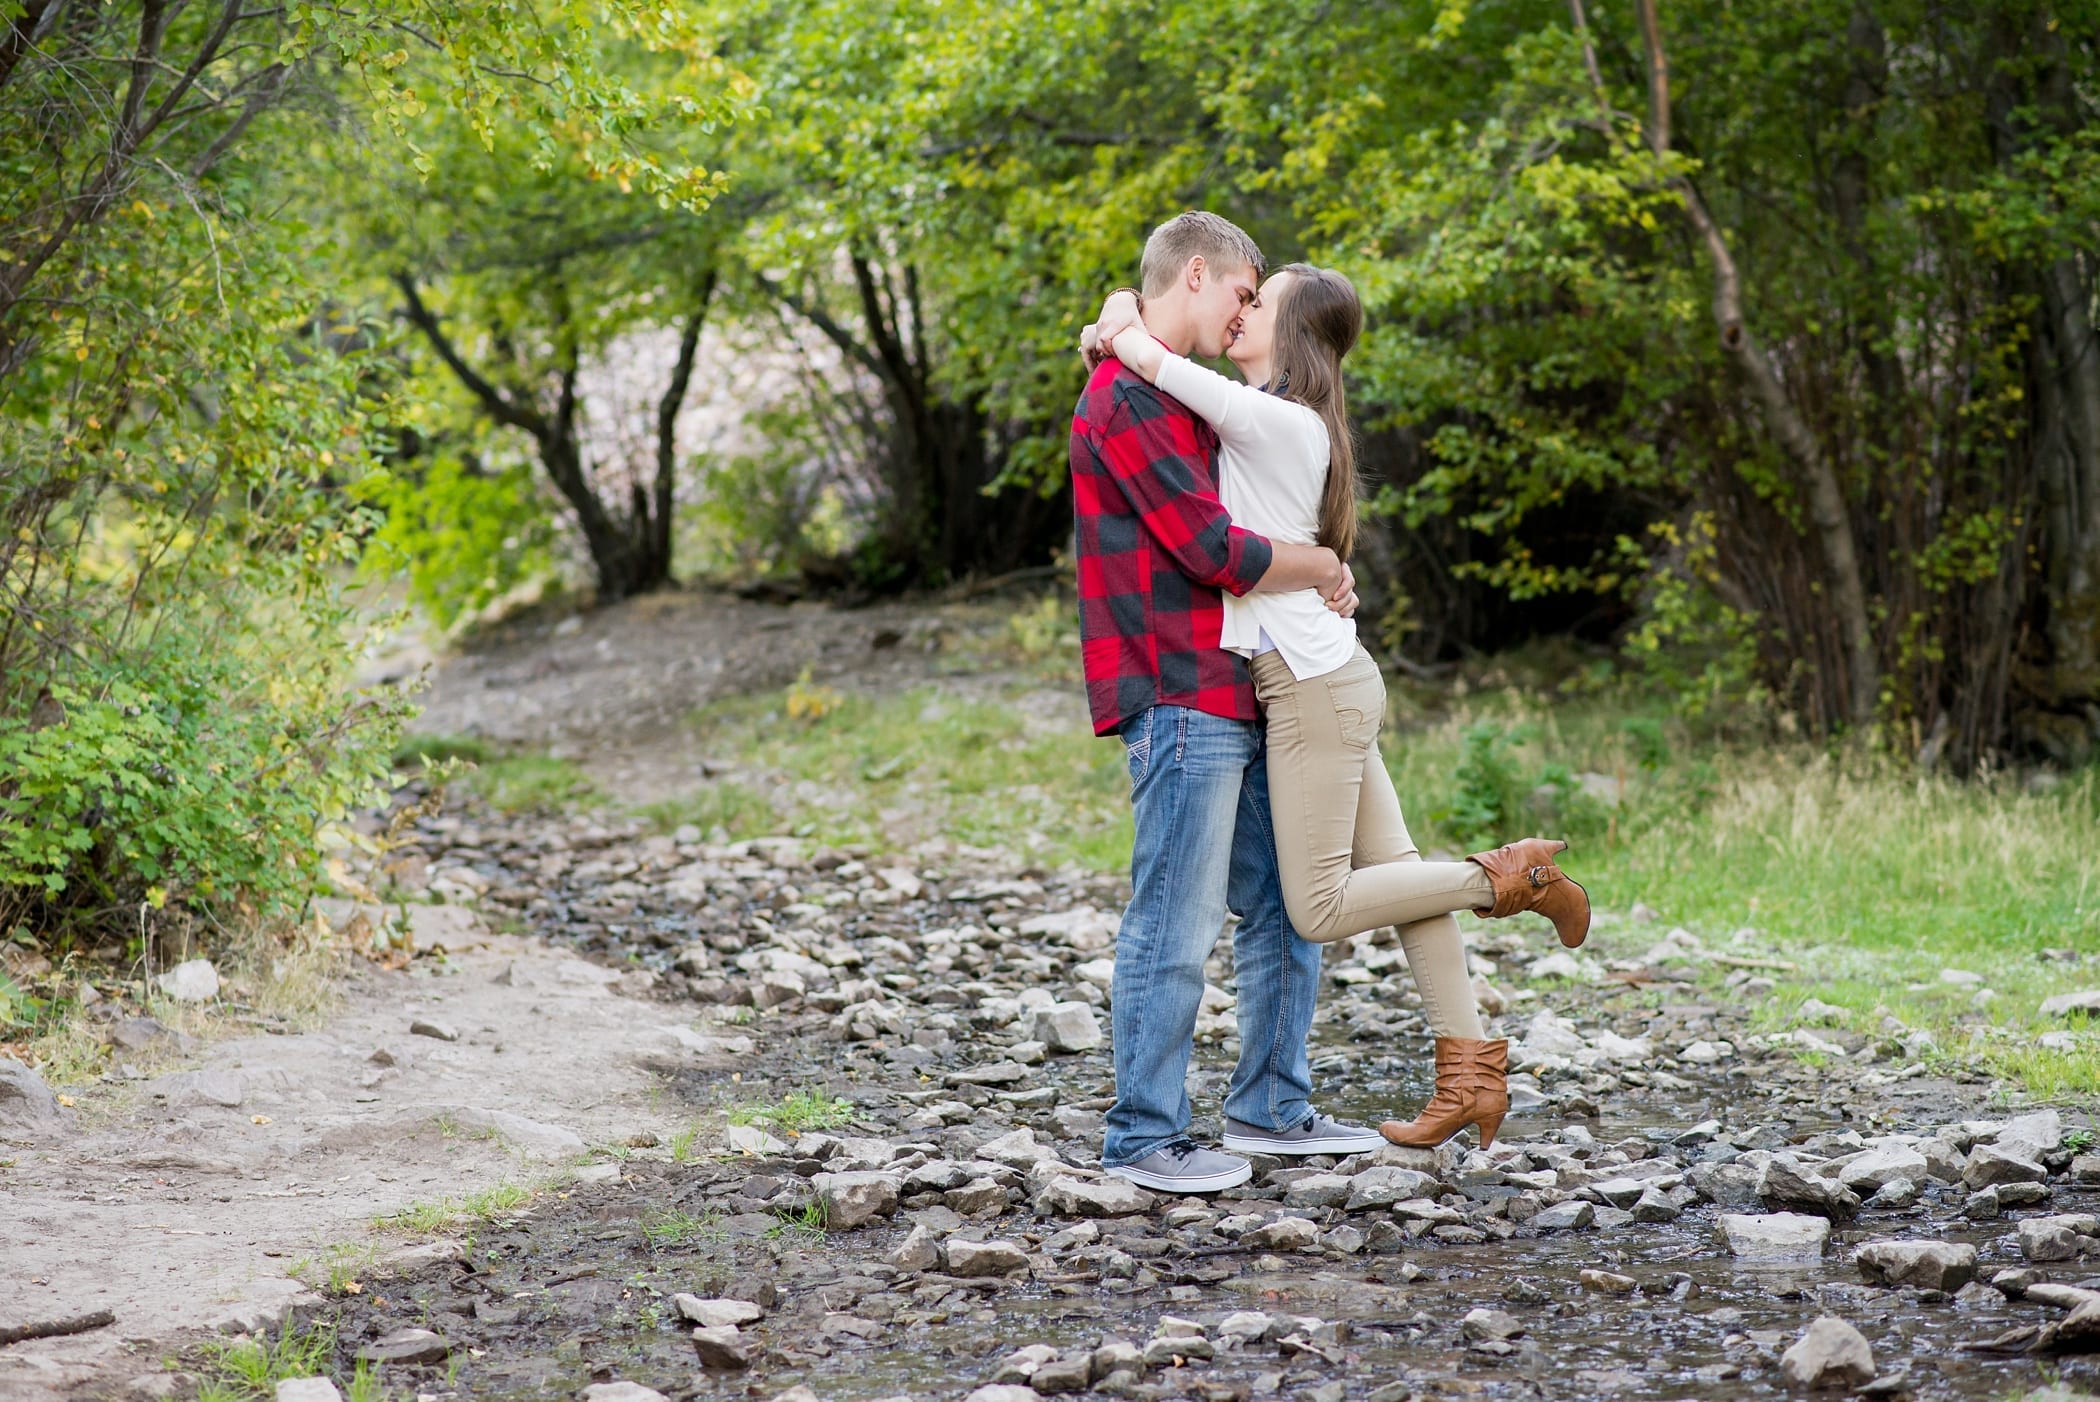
(1321, 1134)
(1182, 1167)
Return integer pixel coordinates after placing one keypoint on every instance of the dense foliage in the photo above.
(192, 424)
(1753, 342)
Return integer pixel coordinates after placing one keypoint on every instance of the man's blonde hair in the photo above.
(1223, 245)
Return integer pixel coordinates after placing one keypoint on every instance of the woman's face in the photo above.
(1258, 325)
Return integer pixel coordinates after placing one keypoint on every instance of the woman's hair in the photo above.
(1318, 319)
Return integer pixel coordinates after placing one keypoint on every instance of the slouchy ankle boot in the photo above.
(1525, 878)
(1472, 1088)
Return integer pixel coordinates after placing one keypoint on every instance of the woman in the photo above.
(1286, 470)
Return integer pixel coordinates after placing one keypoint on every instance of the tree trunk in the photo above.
(1859, 691)
(2074, 492)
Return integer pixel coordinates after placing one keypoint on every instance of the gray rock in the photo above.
(1786, 1187)
(1066, 1027)
(978, 1259)
(1894, 1195)
(2044, 1239)
(1021, 1365)
(1384, 1185)
(186, 1089)
(709, 1313)
(1247, 1326)
(852, 1199)
(1318, 1190)
(1283, 1234)
(1830, 1354)
(721, 1346)
(1004, 1392)
(619, 1392)
(1876, 1168)
(192, 981)
(1732, 1185)
(919, 1251)
(998, 1073)
(1655, 1205)
(1019, 1150)
(1489, 1324)
(441, 1031)
(1069, 1195)
(27, 1106)
(2086, 1002)
(2031, 1136)
(977, 1195)
(1989, 1166)
(1565, 1216)
(1943, 1161)
(1927, 1265)
(307, 1390)
(1062, 1375)
(1778, 1236)
(407, 1346)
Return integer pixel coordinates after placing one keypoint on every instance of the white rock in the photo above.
(1561, 964)
(1068, 1195)
(973, 1259)
(1019, 1149)
(309, 1390)
(1099, 972)
(1067, 1027)
(850, 1199)
(192, 981)
(2086, 1001)
(1774, 1236)
(616, 1392)
(1830, 1354)
(1004, 1392)
(1627, 1051)
(1704, 1053)
(2031, 1135)
(919, 1251)
(27, 1105)
(711, 1313)
(1876, 1168)
(1961, 978)
(750, 1139)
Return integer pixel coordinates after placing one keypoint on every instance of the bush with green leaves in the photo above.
(464, 534)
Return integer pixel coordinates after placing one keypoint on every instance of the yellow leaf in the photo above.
(258, 1119)
(80, 354)
(66, 1100)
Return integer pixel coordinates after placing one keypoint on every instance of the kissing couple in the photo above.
(1215, 520)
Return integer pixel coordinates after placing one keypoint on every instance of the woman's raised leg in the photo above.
(1321, 732)
(1436, 952)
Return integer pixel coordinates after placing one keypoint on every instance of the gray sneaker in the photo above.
(1181, 1167)
(1322, 1134)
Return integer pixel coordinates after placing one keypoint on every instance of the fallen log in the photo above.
(56, 1328)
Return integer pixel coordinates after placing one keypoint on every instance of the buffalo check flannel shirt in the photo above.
(1155, 547)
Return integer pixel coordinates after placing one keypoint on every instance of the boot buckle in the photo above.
(1540, 876)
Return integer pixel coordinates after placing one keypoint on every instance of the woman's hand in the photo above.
(1119, 313)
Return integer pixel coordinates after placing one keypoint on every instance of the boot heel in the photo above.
(1487, 1125)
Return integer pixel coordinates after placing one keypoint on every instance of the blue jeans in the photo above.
(1199, 786)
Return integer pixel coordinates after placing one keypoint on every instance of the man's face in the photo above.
(1220, 298)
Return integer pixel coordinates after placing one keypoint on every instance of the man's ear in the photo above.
(1193, 273)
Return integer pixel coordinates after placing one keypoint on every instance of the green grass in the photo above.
(679, 1228)
(415, 750)
(532, 784)
(800, 1224)
(248, 1370)
(797, 1113)
(922, 763)
(738, 810)
(337, 1269)
(487, 1205)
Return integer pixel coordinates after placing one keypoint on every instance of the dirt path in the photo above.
(184, 1202)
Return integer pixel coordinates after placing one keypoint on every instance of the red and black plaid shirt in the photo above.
(1155, 547)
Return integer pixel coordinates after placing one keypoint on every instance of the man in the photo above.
(1155, 547)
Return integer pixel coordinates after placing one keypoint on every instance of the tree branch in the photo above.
(500, 406)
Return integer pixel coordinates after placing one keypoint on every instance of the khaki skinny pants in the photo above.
(1347, 862)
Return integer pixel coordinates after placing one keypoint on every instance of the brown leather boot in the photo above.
(1472, 1088)
(1526, 879)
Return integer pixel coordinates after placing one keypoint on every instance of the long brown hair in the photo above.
(1318, 318)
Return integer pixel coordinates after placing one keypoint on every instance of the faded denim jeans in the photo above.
(1200, 791)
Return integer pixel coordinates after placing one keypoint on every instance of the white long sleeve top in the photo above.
(1272, 471)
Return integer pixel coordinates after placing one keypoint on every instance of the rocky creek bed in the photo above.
(1681, 1204)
